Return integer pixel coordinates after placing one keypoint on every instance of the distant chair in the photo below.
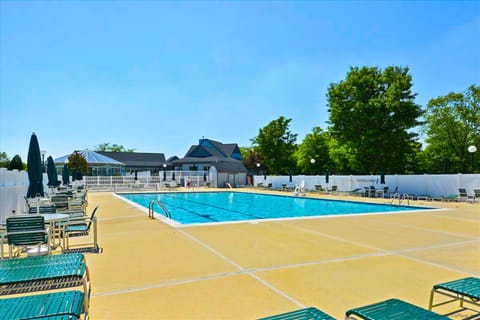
(451, 197)
(370, 191)
(42, 209)
(366, 191)
(384, 193)
(60, 201)
(300, 189)
(476, 194)
(356, 192)
(333, 189)
(463, 195)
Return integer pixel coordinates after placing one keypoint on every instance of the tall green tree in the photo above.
(16, 163)
(276, 144)
(78, 163)
(372, 113)
(112, 147)
(341, 157)
(315, 146)
(251, 159)
(4, 160)
(452, 125)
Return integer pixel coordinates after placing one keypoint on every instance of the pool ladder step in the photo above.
(400, 198)
(161, 206)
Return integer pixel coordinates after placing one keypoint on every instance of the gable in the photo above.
(198, 152)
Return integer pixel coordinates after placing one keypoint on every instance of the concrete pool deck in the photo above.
(150, 270)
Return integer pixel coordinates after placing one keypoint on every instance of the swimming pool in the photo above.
(215, 207)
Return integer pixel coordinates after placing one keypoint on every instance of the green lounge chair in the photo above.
(80, 226)
(356, 192)
(31, 274)
(60, 201)
(465, 290)
(451, 197)
(25, 231)
(57, 305)
(302, 314)
(392, 309)
(42, 209)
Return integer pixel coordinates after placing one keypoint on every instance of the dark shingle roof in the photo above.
(225, 157)
(208, 147)
(137, 159)
(229, 166)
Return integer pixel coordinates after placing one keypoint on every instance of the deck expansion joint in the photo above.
(397, 252)
(246, 271)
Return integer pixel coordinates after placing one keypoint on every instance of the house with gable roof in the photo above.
(223, 161)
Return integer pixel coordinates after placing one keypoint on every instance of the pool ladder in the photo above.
(400, 198)
(161, 205)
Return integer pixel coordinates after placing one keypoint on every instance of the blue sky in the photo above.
(157, 76)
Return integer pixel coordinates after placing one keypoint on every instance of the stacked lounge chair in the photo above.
(33, 274)
(310, 313)
(392, 309)
(465, 290)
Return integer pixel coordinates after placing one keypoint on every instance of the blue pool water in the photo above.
(208, 207)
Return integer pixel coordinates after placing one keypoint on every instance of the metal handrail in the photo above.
(404, 196)
(401, 198)
(395, 195)
(161, 205)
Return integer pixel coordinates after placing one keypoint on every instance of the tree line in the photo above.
(374, 126)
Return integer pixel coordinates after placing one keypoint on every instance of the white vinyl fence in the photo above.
(425, 184)
(118, 183)
(13, 188)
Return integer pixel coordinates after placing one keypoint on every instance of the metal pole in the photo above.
(473, 164)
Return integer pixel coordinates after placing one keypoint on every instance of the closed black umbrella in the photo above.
(173, 175)
(164, 175)
(65, 175)
(382, 177)
(52, 173)
(204, 176)
(34, 163)
(327, 177)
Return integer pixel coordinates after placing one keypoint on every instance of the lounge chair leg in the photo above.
(430, 305)
(95, 240)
